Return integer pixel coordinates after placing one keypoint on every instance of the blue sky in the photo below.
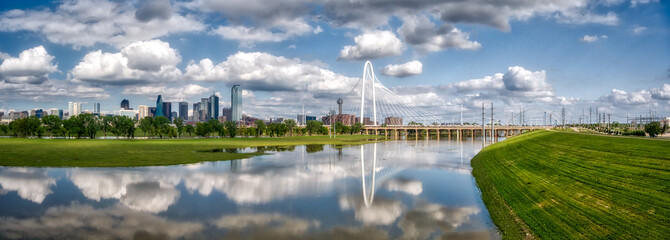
(610, 54)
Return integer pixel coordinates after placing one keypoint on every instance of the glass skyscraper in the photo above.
(183, 110)
(159, 107)
(213, 107)
(236, 103)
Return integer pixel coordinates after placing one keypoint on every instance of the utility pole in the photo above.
(590, 115)
(493, 139)
(483, 128)
(461, 111)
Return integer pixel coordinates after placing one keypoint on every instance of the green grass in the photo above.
(557, 185)
(141, 152)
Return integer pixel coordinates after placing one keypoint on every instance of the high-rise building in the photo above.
(142, 112)
(152, 111)
(213, 107)
(167, 109)
(204, 115)
(125, 104)
(74, 109)
(236, 103)
(183, 110)
(228, 113)
(37, 112)
(159, 107)
(196, 112)
(96, 108)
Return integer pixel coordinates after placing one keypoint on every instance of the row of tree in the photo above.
(88, 125)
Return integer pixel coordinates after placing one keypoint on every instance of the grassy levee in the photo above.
(141, 152)
(557, 185)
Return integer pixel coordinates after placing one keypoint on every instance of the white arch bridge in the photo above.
(383, 111)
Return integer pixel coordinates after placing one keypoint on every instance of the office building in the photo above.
(393, 121)
(159, 107)
(213, 107)
(37, 112)
(152, 111)
(204, 103)
(302, 119)
(142, 112)
(167, 110)
(74, 109)
(125, 104)
(127, 113)
(183, 110)
(236, 103)
(227, 113)
(196, 112)
(96, 108)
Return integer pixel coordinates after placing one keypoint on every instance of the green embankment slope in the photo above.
(555, 185)
(141, 152)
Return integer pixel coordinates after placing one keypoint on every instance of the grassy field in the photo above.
(557, 185)
(132, 153)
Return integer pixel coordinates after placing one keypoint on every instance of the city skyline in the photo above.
(579, 54)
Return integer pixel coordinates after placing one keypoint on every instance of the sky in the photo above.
(613, 55)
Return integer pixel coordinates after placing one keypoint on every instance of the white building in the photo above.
(142, 112)
(127, 113)
(74, 108)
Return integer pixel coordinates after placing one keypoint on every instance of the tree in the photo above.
(90, 124)
(653, 129)
(231, 128)
(356, 128)
(314, 126)
(290, 125)
(203, 129)
(179, 123)
(216, 126)
(147, 125)
(161, 125)
(190, 129)
(52, 124)
(260, 127)
(105, 122)
(4, 129)
(74, 127)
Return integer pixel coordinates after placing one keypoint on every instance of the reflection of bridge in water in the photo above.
(458, 132)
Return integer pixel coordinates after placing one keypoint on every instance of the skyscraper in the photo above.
(236, 103)
(96, 108)
(74, 109)
(56, 112)
(125, 104)
(159, 107)
(167, 110)
(228, 113)
(142, 112)
(204, 114)
(183, 110)
(196, 112)
(213, 107)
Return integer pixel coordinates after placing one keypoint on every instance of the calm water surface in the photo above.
(390, 190)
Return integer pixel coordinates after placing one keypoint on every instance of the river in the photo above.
(388, 190)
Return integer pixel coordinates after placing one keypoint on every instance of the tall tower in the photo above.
(183, 110)
(339, 104)
(236, 103)
(213, 107)
(125, 104)
(159, 106)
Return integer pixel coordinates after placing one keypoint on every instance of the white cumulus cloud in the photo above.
(422, 33)
(32, 66)
(403, 70)
(139, 62)
(265, 72)
(372, 45)
(87, 22)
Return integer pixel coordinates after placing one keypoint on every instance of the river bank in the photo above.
(546, 184)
